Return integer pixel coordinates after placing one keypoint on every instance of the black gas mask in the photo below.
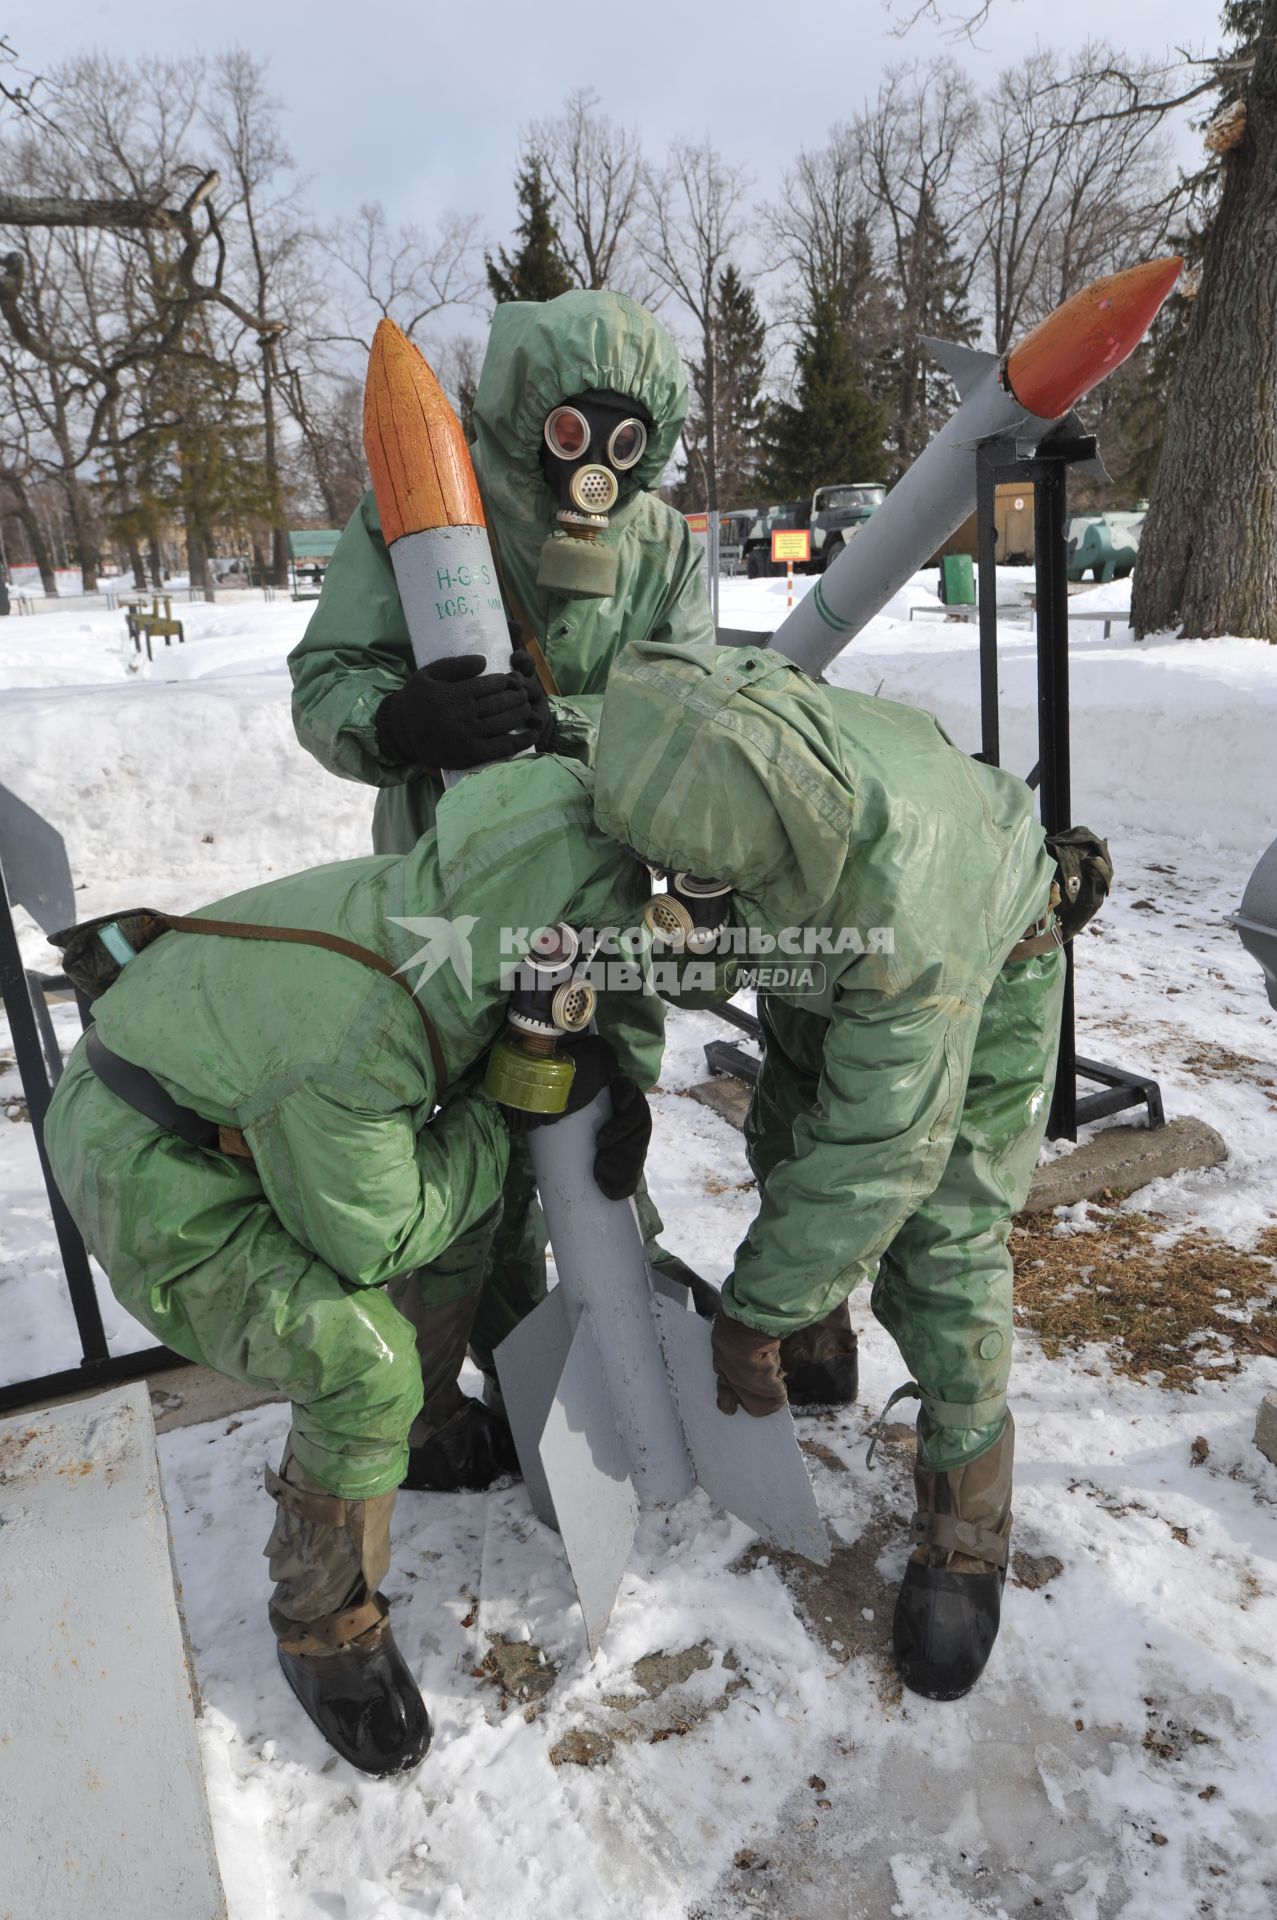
(590, 445)
(691, 915)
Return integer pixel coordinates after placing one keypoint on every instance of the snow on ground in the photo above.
(1120, 1759)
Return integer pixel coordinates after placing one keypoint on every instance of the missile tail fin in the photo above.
(1073, 427)
(752, 1468)
(965, 366)
(588, 1473)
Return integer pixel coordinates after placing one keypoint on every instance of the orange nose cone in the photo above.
(1079, 344)
(422, 474)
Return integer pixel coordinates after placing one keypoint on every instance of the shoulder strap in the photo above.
(333, 943)
(532, 646)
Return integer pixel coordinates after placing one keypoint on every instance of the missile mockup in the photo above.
(608, 1382)
(1023, 398)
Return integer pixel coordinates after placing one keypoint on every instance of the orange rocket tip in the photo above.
(1079, 344)
(422, 473)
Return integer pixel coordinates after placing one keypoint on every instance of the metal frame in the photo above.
(22, 994)
(1046, 471)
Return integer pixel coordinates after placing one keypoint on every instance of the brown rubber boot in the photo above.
(456, 1443)
(327, 1558)
(949, 1606)
(819, 1362)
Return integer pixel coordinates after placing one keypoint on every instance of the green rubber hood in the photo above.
(727, 761)
(540, 353)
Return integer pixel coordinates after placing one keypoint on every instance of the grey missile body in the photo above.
(925, 507)
(1021, 400)
(608, 1387)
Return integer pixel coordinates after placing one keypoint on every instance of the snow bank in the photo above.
(1171, 734)
(179, 780)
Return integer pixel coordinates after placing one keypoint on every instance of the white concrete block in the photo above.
(102, 1803)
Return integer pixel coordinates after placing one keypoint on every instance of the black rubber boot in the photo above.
(474, 1449)
(950, 1601)
(819, 1363)
(944, 1628)
(364, 1701)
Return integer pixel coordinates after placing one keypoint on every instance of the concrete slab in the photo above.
(724, 1095)
(185, 1397)
(1266, 1427)
(1117, 1161)
(1121, 1160)
(102, 1802)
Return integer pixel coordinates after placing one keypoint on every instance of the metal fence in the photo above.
(24, 994)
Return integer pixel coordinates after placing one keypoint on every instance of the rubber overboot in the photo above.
(362, 1698)
(336, 1649)
(466, 1455)
(819, 1362)
(950, 1602)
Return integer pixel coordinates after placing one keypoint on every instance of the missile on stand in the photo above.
(608, 1382)
(1023, 399)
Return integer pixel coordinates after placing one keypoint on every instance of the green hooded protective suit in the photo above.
(356, 648)
(905, 1091)
(273, 1271)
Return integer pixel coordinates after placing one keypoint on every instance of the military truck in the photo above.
(833, 515)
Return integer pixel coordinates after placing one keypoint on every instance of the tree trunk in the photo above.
(156, 564)
(82, 533)
(26, 516)
(197, 556)
(1208, 556)
(138, 565)
(279, 530)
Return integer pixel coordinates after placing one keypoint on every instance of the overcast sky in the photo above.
(420, 105)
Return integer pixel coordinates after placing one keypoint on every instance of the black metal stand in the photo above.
(39, 1069)
(1047, 473)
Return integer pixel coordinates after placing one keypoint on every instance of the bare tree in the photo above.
(1065, 185)
(595, 170)
(819, 225)
(913, 146)
(407, 275)
(242, 118)
(692, 219)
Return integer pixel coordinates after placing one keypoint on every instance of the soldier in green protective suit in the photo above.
(904, 1095)
(572, 391)
(299, 1215)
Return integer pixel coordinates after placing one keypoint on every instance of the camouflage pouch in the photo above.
(1084, 874)
(95, 952)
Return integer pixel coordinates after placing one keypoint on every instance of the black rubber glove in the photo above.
(623, 1141)
(542, 713)
(454, 714)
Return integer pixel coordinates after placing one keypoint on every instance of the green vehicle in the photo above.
(834, 515)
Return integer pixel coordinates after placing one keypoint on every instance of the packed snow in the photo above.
(1120, 1756)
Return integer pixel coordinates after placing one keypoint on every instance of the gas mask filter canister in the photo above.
(550, 1000)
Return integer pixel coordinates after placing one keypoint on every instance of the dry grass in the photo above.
(1181, 1312)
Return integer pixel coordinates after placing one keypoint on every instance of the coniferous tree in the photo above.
(536, 271)
(739, 336)
(833, 428)
(918, 395)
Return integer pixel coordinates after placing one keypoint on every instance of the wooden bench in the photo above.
(153, 625)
